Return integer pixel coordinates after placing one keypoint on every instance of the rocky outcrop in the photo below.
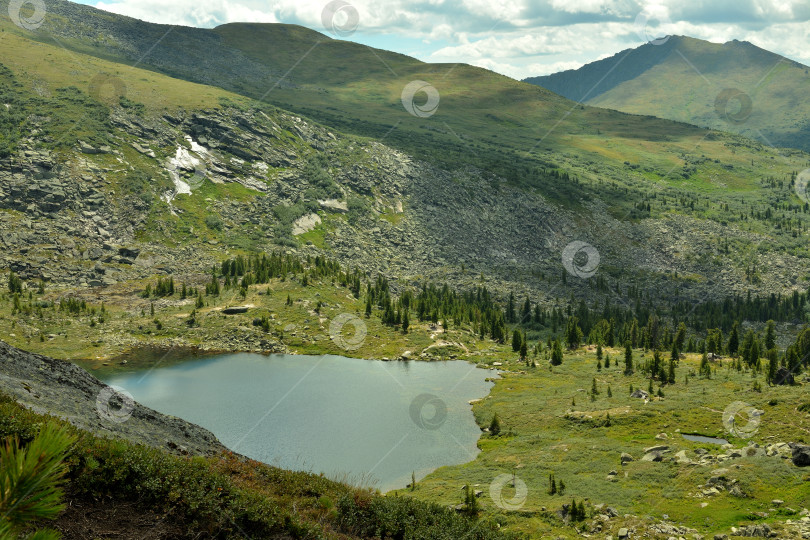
(640, 394)
(801, 455)
(783, 376)
(63, 389)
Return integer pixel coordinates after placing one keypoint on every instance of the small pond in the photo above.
(704, 439)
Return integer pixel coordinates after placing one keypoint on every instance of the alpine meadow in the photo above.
(543, 272)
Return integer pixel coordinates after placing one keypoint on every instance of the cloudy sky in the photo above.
(518, 38)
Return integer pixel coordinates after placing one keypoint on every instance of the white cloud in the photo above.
(518, 38)
(202, 13)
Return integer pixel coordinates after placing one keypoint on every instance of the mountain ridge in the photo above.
(735, 86)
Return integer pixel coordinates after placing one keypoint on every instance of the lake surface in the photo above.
(360, 421)
(704, 439)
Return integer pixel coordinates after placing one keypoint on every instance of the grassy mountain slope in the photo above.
(482, 117)
(653, 195)
(684, 78)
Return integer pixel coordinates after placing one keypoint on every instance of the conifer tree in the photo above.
(628, 359)
(705, 368)
(510, 309)
(573, 333)
(734, 340)
(15, 284)
(31, 477)
(773, 365)
(770, 336)
(495, 425)
(680, 336)
(556, 353)
(517, 338)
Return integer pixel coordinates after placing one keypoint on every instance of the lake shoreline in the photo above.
(342, 409)
(128, 359)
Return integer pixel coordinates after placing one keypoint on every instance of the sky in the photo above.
(518, 38)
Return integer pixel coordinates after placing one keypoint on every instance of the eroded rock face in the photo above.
(416, 219)
(63, 389)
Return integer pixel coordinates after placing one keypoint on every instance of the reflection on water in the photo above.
(360, 421)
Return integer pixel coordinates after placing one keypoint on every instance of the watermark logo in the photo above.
(195, 181)
(506, 483)
(426, 109)
(428, 411)
(741, 419)
(581, 259)
(644, 26)
(337, 331)
(733, 106)
(341, 18)
(27, 14)
(114, 404)
(107, 89)
(802, 180)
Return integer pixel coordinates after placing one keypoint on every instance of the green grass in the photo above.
(546, 434)
(542, 431)
(52, 67)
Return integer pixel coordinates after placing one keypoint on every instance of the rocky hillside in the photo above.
(173, 194)
(59, 388)
(156, 175)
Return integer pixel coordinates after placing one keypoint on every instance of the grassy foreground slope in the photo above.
(734, 86)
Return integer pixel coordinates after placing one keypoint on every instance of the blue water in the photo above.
(361, 421)
(705, 439)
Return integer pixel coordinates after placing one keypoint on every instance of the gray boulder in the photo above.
(783, 376)
(801, 455)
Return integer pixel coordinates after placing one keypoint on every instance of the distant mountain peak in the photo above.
(682, 78)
